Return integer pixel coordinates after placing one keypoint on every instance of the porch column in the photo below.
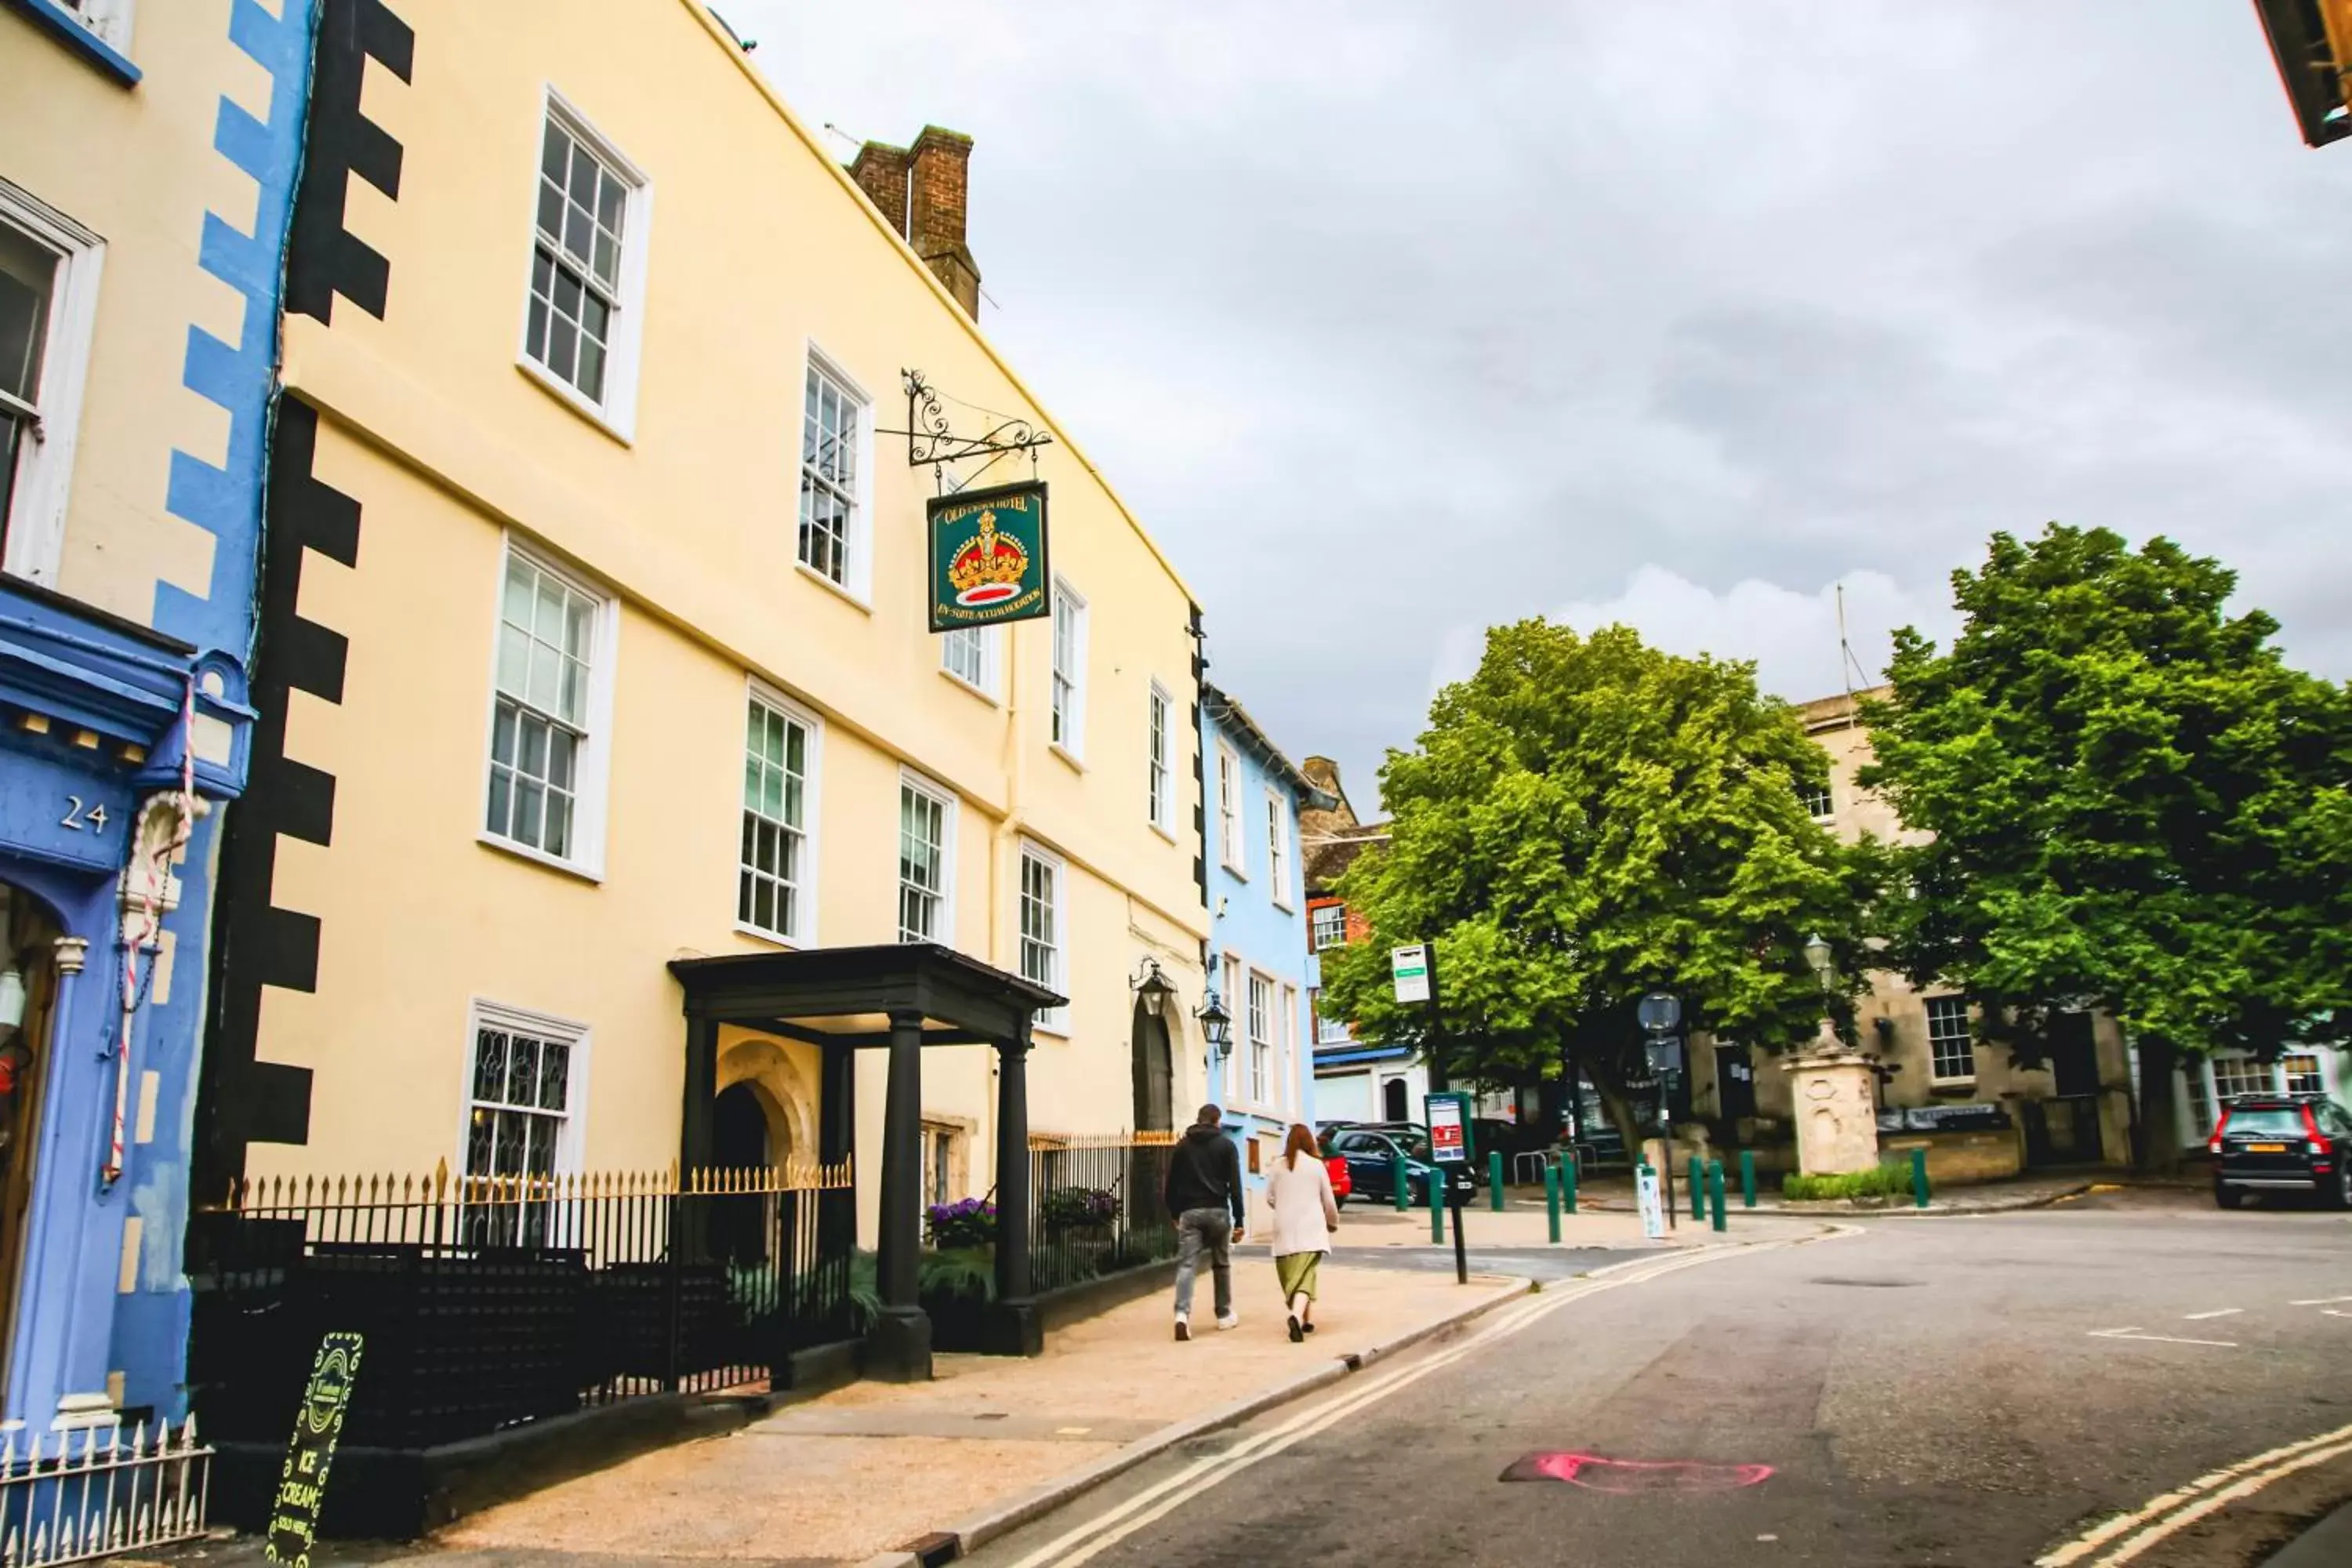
(901, 1349)
(837, 1144)
(698, 1118)
(1014, 1328)
(697, 1127)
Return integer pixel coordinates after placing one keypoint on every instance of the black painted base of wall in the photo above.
(1057, 1310)
(391, 1494)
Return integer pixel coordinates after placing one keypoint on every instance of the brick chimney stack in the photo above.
(922, 193)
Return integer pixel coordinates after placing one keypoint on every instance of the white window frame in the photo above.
(943, 927)
(577, 1038)
(592, 768)
(1328, 1031)
(988, 640)
(37, 522)
(617, 413)
(1160, 770)
(1050, 1020)
(1071, 713)
(857, 582)
(1826, 795)
(811, 819)
(2317, 1074)
(1286, 1058)
(1935, 1073)
(111, 20)
(1278, 847)
(1260, 1033)
(2254, 1076)
(1315, 926)
(1232, 848)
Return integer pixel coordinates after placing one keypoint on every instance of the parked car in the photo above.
(1342, 1186)
(2281, 1143)
(1370, 1156)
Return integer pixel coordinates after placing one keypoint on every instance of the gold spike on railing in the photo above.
(440, 1177)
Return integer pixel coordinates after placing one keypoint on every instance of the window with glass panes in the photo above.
(28, 274)
(1161, 804)
(2201, 1105)
(2242, 1075)
(922, 863)
(1040, 927)
(964, 653)
(1816, 797)
(1261, 1038)
(1329, 926)
(547, 635)
(1070, 669)
(576, 273)
(516, 1116)
(1229, 808)
(1278, 848)
(1951, 1047)
(2301, 1071)
(829, 418)
(771, 889)
(1328, 1031)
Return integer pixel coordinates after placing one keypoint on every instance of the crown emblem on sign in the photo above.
(991, 565)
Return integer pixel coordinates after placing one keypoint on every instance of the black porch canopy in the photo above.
(900, 997)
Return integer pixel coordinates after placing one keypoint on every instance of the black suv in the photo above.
(2281, 1143)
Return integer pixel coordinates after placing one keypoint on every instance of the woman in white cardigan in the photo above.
(1299, 1194)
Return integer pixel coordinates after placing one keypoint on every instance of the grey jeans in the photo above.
(1210, 1231)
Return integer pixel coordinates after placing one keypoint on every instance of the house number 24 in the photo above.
(76, 818)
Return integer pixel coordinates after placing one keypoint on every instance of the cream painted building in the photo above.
(2076, 1108)
(595, 611)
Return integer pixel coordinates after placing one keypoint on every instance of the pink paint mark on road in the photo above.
(1627, 1478)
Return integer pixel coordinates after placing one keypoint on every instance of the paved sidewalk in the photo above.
(872, 1467)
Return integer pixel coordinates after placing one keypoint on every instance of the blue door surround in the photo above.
(94, 726)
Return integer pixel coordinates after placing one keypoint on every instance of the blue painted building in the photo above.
(1250, 797)
(147, 176)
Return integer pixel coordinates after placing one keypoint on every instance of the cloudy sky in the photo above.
(1395, 320)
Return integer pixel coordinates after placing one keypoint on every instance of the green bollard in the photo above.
(1715, 1191)
(1567, 1182)
(1402, 1188)
(1437, 1185)
(1494, 1180)
(1697, 1188)
(1919, 1177)
(1748, 1178)
(1551, 1199)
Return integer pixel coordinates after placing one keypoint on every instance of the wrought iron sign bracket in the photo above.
(931, 443)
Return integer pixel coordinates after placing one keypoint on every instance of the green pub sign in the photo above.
(988, 557)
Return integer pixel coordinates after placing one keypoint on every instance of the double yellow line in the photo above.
(2160, 1517)
(1162, 1498)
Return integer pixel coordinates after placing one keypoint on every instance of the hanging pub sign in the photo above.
(988, 557)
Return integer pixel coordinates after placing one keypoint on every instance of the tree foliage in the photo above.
(2136, 805)
(1585, 820)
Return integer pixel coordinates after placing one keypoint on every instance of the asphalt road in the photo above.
(1964, 1391)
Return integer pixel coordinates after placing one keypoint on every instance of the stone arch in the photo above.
(782, 1087)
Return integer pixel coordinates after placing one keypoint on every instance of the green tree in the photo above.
(2136, 806)
(1585, 820)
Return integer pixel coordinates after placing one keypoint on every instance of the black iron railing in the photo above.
(486, 1303)
(1095, 1206)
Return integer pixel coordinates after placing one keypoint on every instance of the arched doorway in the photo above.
(1395, 1104)
(1155, 1072)
(739, 1141)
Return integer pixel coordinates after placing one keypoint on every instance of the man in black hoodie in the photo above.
(1203, 1191)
